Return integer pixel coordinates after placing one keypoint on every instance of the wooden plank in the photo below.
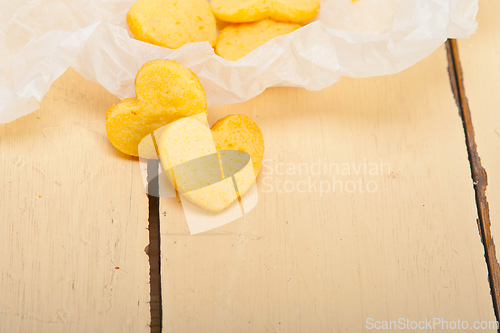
(74, 218)
(480, 84)
(305, 262)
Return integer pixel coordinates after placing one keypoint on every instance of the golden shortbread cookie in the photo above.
(165, 91)
(237, 40)
(239, 132)
(199, 162)
(172, 23)
(240, 11)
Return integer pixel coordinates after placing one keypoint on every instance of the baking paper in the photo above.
(40, 39)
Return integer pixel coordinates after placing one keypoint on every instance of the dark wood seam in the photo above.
(479, 176)
(153, 249)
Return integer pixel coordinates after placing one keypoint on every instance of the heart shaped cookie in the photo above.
(255, 10)
(239, 132)
(166, 91)
(172, 23)
(237, 40)
(213, 167)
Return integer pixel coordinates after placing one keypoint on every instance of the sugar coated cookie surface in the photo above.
(237, 40)
(165, 91)
(172, 23)
(239, 11)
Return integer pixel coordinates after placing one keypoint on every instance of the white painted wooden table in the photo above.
(74, 214)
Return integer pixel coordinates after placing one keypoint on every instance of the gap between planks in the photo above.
(154, 248)
(479, 175)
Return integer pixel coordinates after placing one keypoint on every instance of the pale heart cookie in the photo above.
(190, 155)
(237, 40)
(240, 11)
(172, 23)
(166, 91)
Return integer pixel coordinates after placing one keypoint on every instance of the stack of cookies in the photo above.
(171, 100)
(173, 23)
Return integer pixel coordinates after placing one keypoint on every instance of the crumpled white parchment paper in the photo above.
(40, 39)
